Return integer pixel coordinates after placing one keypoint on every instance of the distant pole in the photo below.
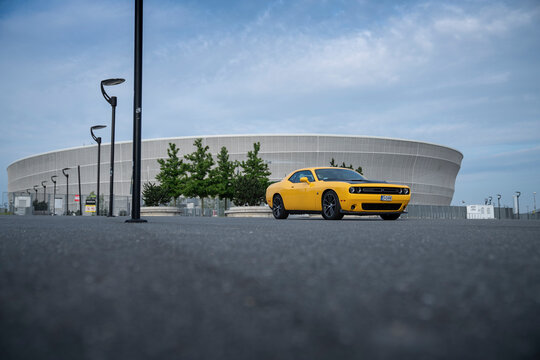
(80, 197)
(67, 189)
(54, 196)
(517, 195)
(534, 197)
(137, 115)
(44, 191)
(499, 204)
(98, 140)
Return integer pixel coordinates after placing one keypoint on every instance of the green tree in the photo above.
(343, 165)
(200, 182)
(172, 173)
(223, 175)
(253, 180)
(154, 195)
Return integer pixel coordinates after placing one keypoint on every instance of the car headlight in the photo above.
(355, 190)
(405, 191)
(352, 190)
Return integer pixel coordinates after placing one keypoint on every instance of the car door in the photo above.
(296, 194)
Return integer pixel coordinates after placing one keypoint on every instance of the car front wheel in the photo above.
(331, 210)
(278, 209)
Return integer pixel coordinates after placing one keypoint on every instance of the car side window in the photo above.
(295, 178)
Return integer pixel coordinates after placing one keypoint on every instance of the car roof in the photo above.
(315, 168)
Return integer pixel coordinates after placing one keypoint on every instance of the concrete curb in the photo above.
(160, 211)
(249, 211)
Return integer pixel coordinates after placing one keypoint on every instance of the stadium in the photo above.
(429, 169)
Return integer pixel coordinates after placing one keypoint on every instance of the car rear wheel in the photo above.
(278, 209)
(390, 216)
(331, 210)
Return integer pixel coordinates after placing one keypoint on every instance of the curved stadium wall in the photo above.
(429, 169)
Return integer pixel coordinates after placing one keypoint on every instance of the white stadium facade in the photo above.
(429, 169)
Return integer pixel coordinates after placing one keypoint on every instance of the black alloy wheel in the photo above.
(278, 209)
(331, 210)
(390, 216)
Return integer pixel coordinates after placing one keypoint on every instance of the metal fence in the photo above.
(22, 204)
(460, 212)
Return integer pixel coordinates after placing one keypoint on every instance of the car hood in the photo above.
(361, 181)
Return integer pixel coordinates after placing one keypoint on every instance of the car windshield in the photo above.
(338, 175)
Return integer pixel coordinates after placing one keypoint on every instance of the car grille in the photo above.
(376, 207)
(380, 190)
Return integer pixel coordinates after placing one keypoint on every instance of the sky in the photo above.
(463, 74)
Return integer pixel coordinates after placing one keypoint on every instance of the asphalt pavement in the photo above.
(302, 288)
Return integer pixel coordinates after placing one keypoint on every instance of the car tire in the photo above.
(331, 210)
(278, 208)
(390, 216)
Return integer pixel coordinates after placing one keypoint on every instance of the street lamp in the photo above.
(44, 190)
(534, 197)
(113, 101)
(490, 199)
(35, 189)
(54, 196)
(499, 204)
(98, 140)
(67, 189)
(517, 196)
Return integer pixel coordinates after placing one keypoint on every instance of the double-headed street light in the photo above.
(54, 193)
(67, 188)
(113, 101)
(98, 140)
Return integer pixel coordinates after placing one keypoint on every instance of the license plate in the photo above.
(386, 197)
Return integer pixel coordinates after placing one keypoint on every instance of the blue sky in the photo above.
(464, 74)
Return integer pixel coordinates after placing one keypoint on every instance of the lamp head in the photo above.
(110, 82)
(96, 127)
(64, 172)
(53, 178)
(43, 183)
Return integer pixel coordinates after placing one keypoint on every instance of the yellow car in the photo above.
(334, 192)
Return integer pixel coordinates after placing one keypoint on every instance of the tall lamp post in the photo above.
(54, 193)
(517, 196)
(35, 189)
(137, 115)
(112, 101)
(98, 140)
(67, 189)
(499, 204)
(534, 197)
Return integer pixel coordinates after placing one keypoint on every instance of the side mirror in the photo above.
(304, 179)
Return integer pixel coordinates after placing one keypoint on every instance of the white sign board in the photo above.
(480, 212)
(23, 201)
(58, 203)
